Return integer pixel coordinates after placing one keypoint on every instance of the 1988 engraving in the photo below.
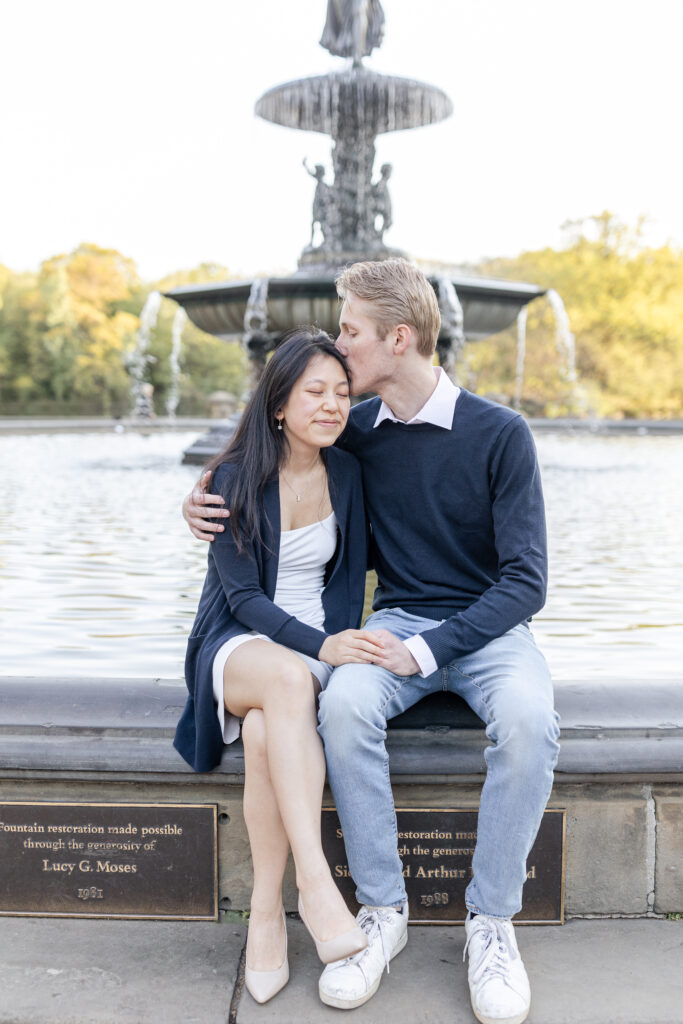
(436, 847)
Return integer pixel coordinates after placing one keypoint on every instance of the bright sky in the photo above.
(131, 125)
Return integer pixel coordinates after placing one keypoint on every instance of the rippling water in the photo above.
(99, 575)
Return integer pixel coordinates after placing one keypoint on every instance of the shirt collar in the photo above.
(438, 410)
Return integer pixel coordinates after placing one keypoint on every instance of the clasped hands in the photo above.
(370, 647)
(351, 646)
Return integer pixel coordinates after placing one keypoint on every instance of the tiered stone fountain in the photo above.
(353, 105)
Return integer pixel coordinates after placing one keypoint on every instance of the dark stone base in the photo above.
(106, 741)
(209, 444)
(318, 261)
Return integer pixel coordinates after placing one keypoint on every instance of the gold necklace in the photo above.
(297, 494)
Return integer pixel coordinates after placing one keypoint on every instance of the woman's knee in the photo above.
(292, 686)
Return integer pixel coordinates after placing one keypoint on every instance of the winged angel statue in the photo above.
(354, 28)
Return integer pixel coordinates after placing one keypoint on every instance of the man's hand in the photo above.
(351, 646)
(199, 508)
(396, 656)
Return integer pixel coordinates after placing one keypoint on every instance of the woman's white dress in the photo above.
(304, 554)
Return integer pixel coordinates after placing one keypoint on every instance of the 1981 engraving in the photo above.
(158, 860)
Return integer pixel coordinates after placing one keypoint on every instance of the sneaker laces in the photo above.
(495, 952)
(371, 920)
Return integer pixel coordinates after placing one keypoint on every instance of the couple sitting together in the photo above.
(449, 485)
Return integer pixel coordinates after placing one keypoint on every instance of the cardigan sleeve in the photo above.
(240, 576)
(520, 540)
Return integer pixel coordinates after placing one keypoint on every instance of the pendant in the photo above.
(298, 497)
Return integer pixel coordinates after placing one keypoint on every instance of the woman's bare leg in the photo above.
(269, 849)
(263, 675)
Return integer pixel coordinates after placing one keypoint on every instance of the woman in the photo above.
(281, 604)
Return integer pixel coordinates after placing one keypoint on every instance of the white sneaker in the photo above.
(499, 987)
(351, 982)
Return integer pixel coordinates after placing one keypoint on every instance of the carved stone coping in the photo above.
(66, 727)
(218, 308)
(354, 100)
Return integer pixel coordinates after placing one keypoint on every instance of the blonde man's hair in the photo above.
(399, 294)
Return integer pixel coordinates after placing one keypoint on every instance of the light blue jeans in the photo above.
(507, 683)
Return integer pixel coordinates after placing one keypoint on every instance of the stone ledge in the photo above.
(619, 777)
(126, 726)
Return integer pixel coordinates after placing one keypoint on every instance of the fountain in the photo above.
(564, 346)
(139, 360)
(179, 321)
(352, 105)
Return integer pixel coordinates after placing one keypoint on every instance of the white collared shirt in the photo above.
(438, 410)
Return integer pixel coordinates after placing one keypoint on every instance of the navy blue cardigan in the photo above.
(238, 597)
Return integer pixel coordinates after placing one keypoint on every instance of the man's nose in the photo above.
(340, 347)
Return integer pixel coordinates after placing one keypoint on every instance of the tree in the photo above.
(66, 335)
(84, 334)
(66, 332)
(625, 303)
(19, 339)
(207, 363)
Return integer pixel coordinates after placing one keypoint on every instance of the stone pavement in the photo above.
(83, 971)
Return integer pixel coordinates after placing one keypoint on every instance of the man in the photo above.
(454, 499)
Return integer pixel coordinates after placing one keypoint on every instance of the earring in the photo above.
(279, 424)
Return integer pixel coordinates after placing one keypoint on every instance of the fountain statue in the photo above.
(353, 29)
(353, 106)
(352, 212)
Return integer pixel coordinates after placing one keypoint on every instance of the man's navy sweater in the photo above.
(457, 517)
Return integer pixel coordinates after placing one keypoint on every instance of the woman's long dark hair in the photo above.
(258, 446)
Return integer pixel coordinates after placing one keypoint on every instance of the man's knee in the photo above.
(541, 724)
(349, 704)
(527, 727)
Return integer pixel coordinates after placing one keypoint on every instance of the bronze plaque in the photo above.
(109, 860)
(436, 847)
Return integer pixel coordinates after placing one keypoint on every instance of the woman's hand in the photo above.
(199, 509)
(352, 647)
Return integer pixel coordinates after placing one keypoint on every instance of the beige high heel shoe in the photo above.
(263, 985)
(340, 946)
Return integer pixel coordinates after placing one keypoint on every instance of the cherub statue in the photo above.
(323, 202)
(381, 201)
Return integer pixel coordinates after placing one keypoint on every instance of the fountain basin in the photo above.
(377, 103)
(489, 306)
(115, 594)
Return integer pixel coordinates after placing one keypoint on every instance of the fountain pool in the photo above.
(100, 577)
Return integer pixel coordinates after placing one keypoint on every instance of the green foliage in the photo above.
(370, 585)
(66, 333)
(62, 338)
(207, 364)
(234, 917)
(625, 304)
